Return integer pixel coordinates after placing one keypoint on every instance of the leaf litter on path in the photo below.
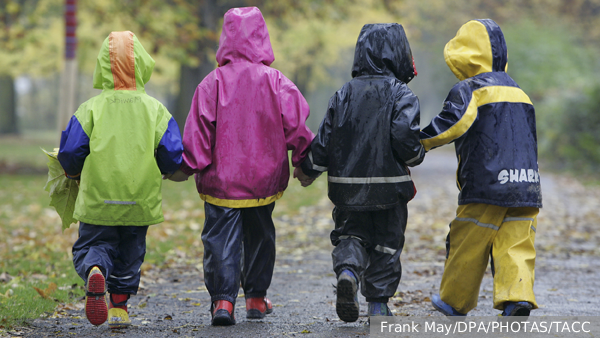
(566, 236)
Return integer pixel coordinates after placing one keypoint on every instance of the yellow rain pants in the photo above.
(507, 234)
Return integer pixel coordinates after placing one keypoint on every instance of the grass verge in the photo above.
(35, 253)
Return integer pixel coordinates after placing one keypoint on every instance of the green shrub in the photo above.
(557, 69)
(572, 139)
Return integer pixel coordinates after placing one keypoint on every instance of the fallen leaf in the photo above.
(63, 191)
(50, 289)
(47, 292)
(41, 292)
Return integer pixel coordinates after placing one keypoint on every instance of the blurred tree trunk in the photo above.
(190, 76)
(68, 88)
(8, 114)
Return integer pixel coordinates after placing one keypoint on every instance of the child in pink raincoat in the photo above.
(244, 118)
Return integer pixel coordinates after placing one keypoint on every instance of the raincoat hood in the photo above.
(123, 63)
(245, 37)
(383, 49)
(478, 47)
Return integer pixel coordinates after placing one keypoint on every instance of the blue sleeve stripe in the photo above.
(74, 148)
(170, 149)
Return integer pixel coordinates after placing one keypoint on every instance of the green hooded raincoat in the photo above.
(120, 179)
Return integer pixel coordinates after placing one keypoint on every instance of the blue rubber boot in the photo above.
(379, 309)
(444, 308)
(346, 304)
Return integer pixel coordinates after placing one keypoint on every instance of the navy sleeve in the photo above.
(170, 149)
(74, 148)
(457, 116)
(405, 129)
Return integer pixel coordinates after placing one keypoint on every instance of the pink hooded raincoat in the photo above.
(244, 118)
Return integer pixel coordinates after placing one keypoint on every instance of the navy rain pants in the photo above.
(229, 234)
(117, 250)
(369, 244)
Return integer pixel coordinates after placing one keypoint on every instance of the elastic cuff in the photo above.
(223, 297)
(73, 177)
(256, 295)
(377, 299)
(308, 171)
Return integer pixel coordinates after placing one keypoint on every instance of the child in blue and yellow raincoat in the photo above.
(118, 144)
(492, 124)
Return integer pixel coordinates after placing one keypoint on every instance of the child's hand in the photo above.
(178, 176)
(304, 179)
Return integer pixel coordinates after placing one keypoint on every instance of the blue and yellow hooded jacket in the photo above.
(490, 120)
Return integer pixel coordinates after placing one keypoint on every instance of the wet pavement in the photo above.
(175, 303)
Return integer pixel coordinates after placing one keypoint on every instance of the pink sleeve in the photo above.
(295, 111)
(199, 131)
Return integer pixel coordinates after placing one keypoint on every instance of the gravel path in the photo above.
(175, 303)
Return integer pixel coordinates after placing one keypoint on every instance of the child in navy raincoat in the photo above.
(492, 124)
(244, 118)
(369, 135)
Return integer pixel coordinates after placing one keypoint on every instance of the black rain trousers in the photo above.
(369, 244)
(117, 250)
(239, 246)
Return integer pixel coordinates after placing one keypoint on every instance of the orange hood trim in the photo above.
(122, 60)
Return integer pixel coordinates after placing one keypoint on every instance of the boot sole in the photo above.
(119, 326)
(223, 318)
(255, 314)
(345, 305)
(522, 312)
(96, 310)
(440, 309)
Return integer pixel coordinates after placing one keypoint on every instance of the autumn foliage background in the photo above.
(552, 44)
